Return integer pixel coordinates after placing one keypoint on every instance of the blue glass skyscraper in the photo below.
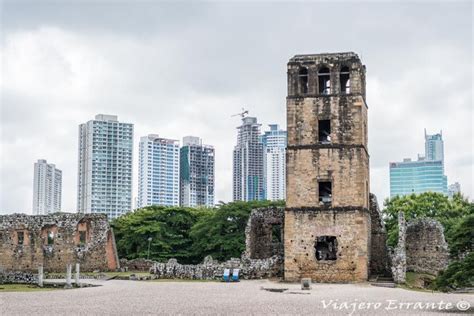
(424, 175)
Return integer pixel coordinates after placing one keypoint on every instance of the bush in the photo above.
(459, 274)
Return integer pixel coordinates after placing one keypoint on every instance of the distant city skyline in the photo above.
(180, 69)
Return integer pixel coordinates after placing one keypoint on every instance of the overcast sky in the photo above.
(184, 69)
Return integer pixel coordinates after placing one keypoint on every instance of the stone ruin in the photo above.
(56, 240)
(421, 248)
(264, 233)
(262, 258)
(379, 264)
(426, 248)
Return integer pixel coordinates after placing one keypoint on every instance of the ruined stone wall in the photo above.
(346, 168)
(398, 255)
(426, 248)
(264, 233)
(212, 269)
(379, 255)
(56, 240)
(421, 248)
(351, 229)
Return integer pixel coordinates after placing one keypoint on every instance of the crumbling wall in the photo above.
(264, 233)
(379, 257)
(421, 248)
(212, 269)
(398, 255)
(55, 240)
(138, 264)
(426, 248)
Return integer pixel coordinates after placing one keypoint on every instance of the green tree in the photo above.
(433, 205)
(459, 274)
(461, 236)
(221, 233)
(168, 228)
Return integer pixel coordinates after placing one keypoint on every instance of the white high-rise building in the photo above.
(105, 166)
(47, 186)
(158, 171)
(248, 175)
(274, 142)
(196, 173)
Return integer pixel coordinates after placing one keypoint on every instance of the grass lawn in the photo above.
(24, 288)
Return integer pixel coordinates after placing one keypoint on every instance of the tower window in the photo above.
(345, 80)
(82, 237)
(324, 131)
(325, 193)
(326, 248)
(50, 238)
(20, 237)
(324, 81)
(303, 79)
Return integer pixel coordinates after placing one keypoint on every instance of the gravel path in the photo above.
(210, 298)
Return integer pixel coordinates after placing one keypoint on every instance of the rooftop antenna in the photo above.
(241, 114)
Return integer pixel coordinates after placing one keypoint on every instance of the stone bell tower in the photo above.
(327, 222)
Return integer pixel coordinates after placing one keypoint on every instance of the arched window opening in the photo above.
(303, 79)
(324, 81)
(345, 80)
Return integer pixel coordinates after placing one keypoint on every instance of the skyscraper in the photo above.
(47, 187)
(105, 166)
(196, 173)
(158, 171)
(248, 176)
(274, 142)
(434, 147)
(424, 175)
(419, 176)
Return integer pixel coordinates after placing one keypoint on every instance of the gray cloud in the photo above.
(183, 69)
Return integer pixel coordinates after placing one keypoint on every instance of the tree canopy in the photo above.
(429, 204)
(187, 234)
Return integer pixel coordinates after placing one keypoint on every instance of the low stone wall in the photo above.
(139, 264)
(212, 269)
(7, 277)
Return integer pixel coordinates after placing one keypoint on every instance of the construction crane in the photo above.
(242, 114)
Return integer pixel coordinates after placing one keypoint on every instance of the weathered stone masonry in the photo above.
(327, 221)
(379, 253)
(55, 240)
(421, 248)
(426, 248)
